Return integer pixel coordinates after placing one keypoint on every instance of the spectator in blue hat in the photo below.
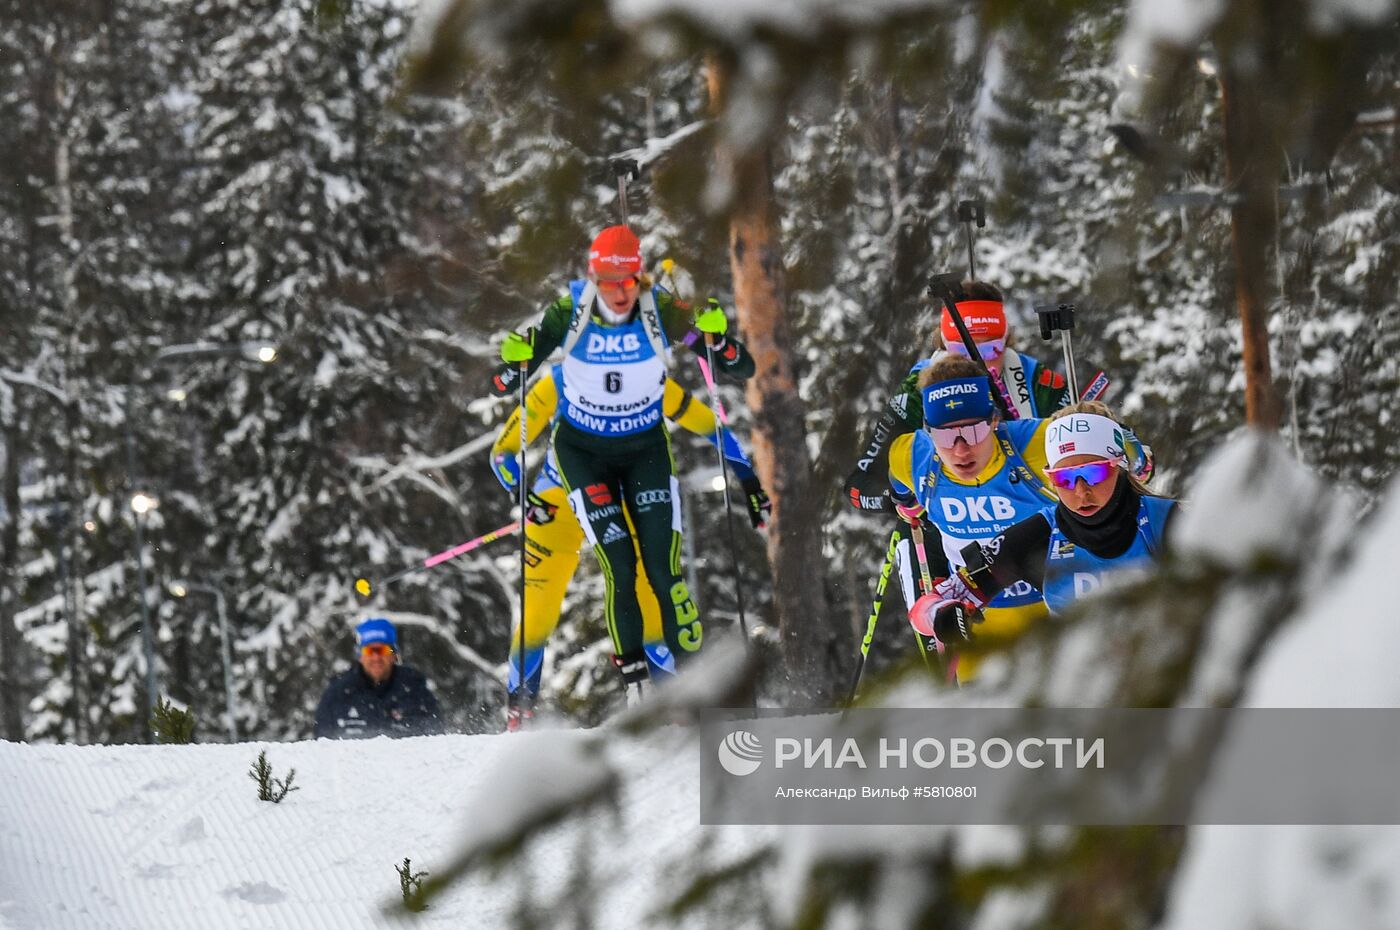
(380, 696)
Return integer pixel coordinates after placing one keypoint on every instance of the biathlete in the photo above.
(1031, 388)
(971, 476)
(612, 449)
(1104, 523)
(553, 536)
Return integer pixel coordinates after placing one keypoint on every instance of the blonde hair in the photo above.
(1095, 407)
(1099, 408)
(949, 368)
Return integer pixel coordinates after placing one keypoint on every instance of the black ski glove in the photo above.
(949, 622)
(760, 507)
(952, 623)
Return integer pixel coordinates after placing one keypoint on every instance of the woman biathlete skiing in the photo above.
(611, 446)
(1105, 522)
(553, 536)
(1031, 388)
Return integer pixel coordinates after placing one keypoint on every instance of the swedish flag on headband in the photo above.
(963, 399)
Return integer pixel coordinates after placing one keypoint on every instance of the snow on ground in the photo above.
(174, 836)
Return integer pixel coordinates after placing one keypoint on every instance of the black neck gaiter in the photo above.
(1108, 533)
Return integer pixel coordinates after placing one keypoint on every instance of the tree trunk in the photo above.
(11, 720)
(811, 645)
(1253, 165)
(77, 618)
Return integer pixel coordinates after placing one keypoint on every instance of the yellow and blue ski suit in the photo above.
(1009, 489)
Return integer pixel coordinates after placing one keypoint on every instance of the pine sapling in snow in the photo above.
(172, 724)
(269, 788)
(411, 886)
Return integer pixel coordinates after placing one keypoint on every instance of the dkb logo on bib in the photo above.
(613, 344)
(984, 508)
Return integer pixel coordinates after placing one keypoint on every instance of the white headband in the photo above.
(1083, 434)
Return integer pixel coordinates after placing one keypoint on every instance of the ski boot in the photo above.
(636, 678)
(520, 711)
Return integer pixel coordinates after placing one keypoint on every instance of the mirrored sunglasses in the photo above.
(1093, 473)
(377, 649)
(619, 285)
(946, 436)
(989, 350)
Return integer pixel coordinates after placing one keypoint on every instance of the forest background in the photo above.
(381, 197)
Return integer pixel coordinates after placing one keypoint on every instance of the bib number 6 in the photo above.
(613, 382)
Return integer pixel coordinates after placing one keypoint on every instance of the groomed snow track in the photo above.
(174, 836)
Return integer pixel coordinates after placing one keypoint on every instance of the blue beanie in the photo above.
(376, 630)
(958, 399)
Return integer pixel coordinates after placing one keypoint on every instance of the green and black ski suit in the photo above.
(614, 451)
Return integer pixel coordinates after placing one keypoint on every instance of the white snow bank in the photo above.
(576, 772)
(173, 836)
(1253, 501)
(1252, 498)
(1339, 652)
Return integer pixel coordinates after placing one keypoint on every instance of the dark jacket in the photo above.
(354, 707)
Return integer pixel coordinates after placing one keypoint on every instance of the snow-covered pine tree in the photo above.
(320, 232)
(869, 182)
(96, 164)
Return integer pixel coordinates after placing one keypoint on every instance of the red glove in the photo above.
(947, 612)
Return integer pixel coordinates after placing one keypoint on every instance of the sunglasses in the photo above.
(988, 350)
(622, 285)
(377, 649)
(1093, 473)
(945, 437)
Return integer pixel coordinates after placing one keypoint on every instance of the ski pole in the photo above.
(364, 588)
(707, 365)
(1060, 318)
(970, 211)
(890, 554)
(946, 287)
(625, 169)
(524, 513)
(926, 578)
(472, 544)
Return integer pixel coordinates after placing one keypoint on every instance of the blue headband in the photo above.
(962, 399)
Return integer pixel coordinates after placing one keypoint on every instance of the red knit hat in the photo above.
(617, 250)
(985, 320)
